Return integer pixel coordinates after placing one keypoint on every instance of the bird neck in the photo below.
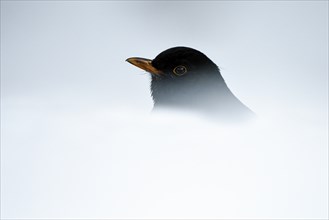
(188, 93)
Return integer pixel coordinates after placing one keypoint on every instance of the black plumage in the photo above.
(184, 78)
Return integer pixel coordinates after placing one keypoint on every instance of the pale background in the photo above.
(77, 140)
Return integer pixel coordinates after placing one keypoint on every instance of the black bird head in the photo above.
(183, 77)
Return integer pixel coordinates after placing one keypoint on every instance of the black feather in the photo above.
(201, 89)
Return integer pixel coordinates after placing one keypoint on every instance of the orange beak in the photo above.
(144, 64)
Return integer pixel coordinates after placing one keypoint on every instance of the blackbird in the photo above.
(186, 79)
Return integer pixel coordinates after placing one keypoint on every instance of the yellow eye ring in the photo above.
(180, 70)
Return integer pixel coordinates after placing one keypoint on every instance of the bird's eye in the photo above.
(180, 70)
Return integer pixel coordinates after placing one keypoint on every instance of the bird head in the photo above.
(181, 76)
(175, 63)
